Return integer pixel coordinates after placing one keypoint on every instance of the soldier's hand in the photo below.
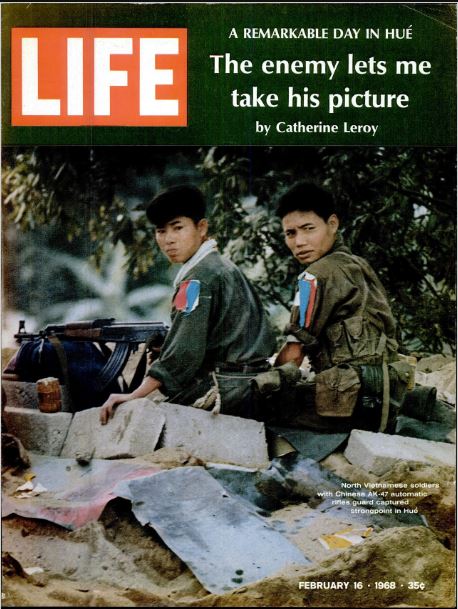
(107, 409)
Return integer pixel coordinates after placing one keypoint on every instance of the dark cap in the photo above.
(184, 200)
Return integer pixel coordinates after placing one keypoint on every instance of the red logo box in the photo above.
(99, 76)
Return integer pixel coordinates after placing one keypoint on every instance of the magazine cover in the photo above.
(228, 304)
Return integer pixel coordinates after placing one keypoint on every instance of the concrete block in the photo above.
(40, 432)
(219, 438)
(134, 430)
(378, 452)
(24, 395)
(20, 395)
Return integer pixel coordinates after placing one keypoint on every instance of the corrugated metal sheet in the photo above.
(224, 543)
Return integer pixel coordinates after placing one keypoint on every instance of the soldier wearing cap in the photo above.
(220, 336)
(341, 320)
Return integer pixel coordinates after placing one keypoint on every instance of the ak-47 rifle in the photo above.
(126, 337)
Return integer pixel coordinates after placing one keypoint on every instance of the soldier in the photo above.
(220, 336)
(341, 320)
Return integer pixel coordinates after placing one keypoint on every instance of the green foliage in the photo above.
(108, 289)
(47, 186)
(397, 207)
(83, 191)
(399, 212)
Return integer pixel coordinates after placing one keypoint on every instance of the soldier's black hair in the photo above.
(182, 200)
(306, 196)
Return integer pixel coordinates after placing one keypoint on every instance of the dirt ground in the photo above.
(116, 562)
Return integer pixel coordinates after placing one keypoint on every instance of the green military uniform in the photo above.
(349, 330)
(224, 330)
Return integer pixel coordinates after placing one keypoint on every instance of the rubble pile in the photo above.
(172, 506)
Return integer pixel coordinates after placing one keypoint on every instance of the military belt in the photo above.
(220, 368)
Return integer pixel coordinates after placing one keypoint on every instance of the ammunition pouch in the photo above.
(337, 391)
(354, 340)
(346, 390)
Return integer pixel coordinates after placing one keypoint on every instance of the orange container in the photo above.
(49, 395)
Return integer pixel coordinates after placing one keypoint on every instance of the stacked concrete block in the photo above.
(39, 432)
(139, 427)
(134, 430)
(219, 438)
(378, 452)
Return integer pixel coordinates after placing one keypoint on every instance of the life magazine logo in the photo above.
(99, 77)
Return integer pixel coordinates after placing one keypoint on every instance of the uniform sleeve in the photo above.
(318, 296)
(185, 347)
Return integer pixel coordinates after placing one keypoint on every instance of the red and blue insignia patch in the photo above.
(187, 297)
(307, 294)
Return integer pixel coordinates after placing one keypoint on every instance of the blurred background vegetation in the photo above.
(77, 245)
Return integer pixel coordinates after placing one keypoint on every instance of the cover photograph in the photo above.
(228, 304)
